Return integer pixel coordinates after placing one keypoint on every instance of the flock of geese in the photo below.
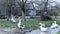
(53, 26)
(42, 26)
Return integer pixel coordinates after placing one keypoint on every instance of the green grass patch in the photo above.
(7, 24)
(58, 33)
(35, 23)
(28, 24)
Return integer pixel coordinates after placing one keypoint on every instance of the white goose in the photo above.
(42, 28)
(12, 19)
(54, 25)
(20, 25)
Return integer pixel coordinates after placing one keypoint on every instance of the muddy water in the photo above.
(50, 31)
(37, 31)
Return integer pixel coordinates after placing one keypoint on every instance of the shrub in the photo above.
(53, 13)
(3, 17)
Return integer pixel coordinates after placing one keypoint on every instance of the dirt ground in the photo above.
(9, 31)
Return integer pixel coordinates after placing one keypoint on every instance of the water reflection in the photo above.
(34, 32)
(53, 31)
(50, 31)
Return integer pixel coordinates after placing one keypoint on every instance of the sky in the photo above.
(57, 0)
(54, 3)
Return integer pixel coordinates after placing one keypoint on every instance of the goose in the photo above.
(20, 25)
(54, 25)
(12, 19)
(43, 28)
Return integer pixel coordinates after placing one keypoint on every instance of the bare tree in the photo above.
(9, 4)
(22, 5)
(43, 6)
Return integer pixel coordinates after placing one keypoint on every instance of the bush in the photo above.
(53, 13)
(3, 17)
(46, 17)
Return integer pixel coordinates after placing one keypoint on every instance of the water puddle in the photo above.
(50, 31)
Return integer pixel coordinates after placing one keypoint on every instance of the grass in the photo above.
(35, 23)
(58, 33)
(28, 24)
(7, 24)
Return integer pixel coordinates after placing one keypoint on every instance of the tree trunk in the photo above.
(23, 16)
(9, 15)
